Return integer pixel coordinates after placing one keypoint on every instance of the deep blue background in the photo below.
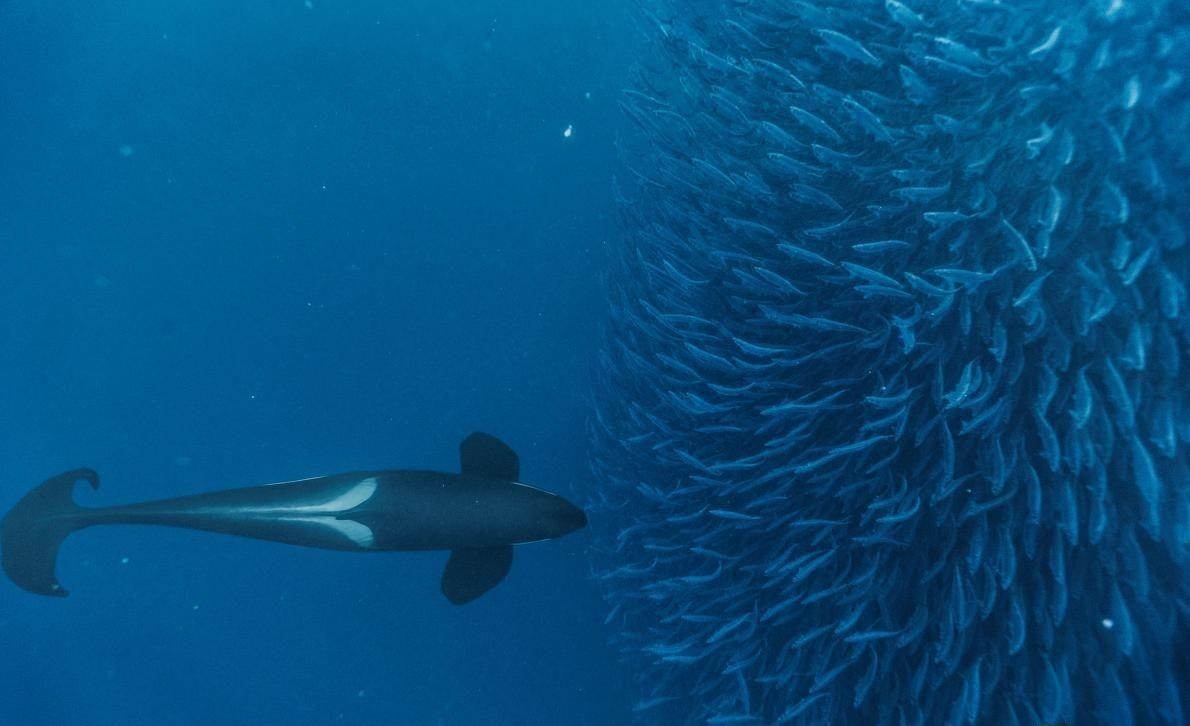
(246, 242)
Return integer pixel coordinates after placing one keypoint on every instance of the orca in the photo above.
(477, 514)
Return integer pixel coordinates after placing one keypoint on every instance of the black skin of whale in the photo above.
(477, 514)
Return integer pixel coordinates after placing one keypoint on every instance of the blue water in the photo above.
(248, 242)
(860, 329)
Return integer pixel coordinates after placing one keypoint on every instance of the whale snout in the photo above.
(558, 517)
(571, 518)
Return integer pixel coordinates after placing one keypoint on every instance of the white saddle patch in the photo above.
(361, 534)
(358, 533)
(323, 513)
(346, 501)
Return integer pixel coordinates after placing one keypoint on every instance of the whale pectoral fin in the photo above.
(472, 572)
(487, 456)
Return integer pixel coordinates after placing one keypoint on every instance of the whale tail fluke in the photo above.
(32, 531)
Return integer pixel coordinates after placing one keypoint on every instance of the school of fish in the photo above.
(894, 402)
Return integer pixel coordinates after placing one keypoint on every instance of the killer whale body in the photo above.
(477, 514)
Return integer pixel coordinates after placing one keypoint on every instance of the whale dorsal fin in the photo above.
(487, 456)
(472, 572)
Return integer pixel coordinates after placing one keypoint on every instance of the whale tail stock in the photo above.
(31, 533)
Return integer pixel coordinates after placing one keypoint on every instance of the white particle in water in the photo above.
(569, 130)
(1107, 623)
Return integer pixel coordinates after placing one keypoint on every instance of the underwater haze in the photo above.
(248, 242)
(859, 330)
